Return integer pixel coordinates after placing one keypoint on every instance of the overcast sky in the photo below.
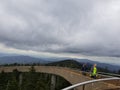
(85, 28)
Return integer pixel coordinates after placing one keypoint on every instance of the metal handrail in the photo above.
(88, 82)
(109, 74)
(100, 73)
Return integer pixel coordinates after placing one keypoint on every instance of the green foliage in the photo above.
(32, 69)
(66, 63)
(29, 81)
(118, 71)
(12, 85)
(3, 80)
(16, 74)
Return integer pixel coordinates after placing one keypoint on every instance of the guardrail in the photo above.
(109, 74)
(88, 82)
(99, 73)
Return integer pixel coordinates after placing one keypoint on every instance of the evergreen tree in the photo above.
(3, 80)
(118, 71)
(32, 69)
(12, 85)
(16, 74)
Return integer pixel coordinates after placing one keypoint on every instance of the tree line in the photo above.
(31, 80)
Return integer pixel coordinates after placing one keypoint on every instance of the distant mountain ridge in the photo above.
(66, 63)
(78, 64)
(21, 60)
(6, 54)
(99, 64)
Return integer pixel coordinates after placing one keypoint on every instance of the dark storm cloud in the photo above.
(86, 27)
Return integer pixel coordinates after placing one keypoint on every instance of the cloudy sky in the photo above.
(73, 28)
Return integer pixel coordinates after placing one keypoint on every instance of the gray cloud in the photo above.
(87, 27)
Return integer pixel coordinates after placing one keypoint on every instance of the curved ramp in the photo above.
(73, 76)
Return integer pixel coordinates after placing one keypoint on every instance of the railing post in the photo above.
(20, 81)
(53, 82)
(84, 87)
(88, 82)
